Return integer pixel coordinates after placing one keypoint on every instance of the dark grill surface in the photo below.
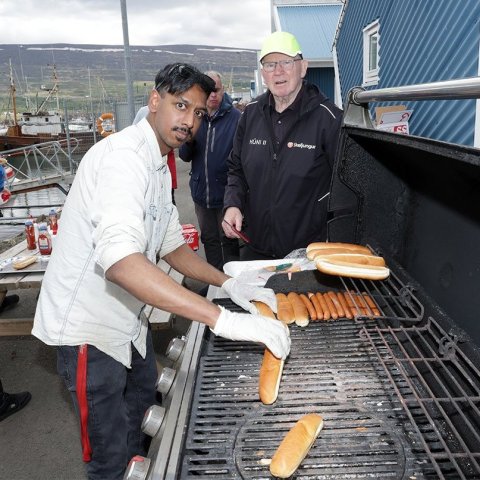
(371, 385)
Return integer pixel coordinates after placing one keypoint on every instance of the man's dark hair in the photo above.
(177, 78)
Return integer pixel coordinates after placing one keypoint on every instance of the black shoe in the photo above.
(13, 403)
(8, 302)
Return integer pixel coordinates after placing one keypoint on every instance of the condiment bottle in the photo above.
(53, 221)
(44, 240)
(30, 235)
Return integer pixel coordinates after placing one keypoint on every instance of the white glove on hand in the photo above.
(243, 293)
(254, 328)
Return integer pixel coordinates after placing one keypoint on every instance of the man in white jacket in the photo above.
(118, 215)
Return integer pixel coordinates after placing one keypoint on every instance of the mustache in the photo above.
(183, 129)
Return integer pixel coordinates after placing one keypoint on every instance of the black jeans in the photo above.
(219, 249)
(117, 399)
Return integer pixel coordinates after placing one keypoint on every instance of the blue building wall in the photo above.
(420, 41)
(324, 78)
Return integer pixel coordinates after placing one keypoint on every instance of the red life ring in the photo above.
(105, 124)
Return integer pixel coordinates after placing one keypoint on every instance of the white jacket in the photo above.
(120, 203)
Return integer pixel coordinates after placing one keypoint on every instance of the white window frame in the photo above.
(371, 75)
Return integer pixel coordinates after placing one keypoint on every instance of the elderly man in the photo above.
(117, 217)
(208, 151)
(282, 159)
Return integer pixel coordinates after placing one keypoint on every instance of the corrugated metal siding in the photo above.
(313, 25)
(324, 79)
(420, 41)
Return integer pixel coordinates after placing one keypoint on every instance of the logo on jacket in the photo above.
(257, 141)
(300, 145)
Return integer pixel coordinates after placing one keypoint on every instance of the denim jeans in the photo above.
(117, 399)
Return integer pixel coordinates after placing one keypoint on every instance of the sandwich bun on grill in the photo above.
(327, 248)
(299, 309)
(370, 267)
(272, 367)
(296, 445)
(285, 311)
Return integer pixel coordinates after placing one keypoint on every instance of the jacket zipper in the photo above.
(207, 186)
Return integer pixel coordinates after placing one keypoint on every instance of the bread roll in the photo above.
(285, 311)
(269, 377)
(264, 309)
(312, 254)
(299, 309)
(349, 247)
(272, 367)
(295, 446)
(361, 267)
(24, 262)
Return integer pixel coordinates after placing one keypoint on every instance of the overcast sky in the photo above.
(150, 22)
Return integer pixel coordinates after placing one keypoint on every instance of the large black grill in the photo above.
(396, 402)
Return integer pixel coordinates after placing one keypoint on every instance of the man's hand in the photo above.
(233, 218)
(243, 293)
(254, 328)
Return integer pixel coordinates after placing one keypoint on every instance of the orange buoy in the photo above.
(105, 124)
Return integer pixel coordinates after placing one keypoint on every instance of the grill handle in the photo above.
(356, 109)
(447, 90)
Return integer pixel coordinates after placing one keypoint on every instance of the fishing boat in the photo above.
(42, 125)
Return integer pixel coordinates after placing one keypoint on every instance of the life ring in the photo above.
(105, 124)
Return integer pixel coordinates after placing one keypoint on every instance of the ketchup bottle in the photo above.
(44, 240)
(53, 221)
(30, 234)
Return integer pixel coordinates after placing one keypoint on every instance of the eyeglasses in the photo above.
(286, 65)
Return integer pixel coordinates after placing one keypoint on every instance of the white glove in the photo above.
(254, 328)
(243, 293)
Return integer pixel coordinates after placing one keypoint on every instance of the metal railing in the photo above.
(42, 163)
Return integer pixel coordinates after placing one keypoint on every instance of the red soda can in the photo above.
(190, 234)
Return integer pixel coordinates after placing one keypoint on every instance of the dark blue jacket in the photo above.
(209, 152)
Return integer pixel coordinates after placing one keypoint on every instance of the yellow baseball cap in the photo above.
(281, 42)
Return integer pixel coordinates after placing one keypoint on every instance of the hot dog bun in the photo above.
(285, 311)
(339, 247)
(24, 262)
(295, 445)
(360, 266)
(272, 367)
(269, 377)
(299, 309)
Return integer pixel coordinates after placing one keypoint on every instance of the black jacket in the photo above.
(209, 152)
(283, 192)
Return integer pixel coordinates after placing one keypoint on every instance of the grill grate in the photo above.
(394, 299)
(333, 369)
(442, 385)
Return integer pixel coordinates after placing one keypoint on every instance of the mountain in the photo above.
(99, 69)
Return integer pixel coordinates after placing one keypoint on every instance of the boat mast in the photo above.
(53, 90)
(13, 95)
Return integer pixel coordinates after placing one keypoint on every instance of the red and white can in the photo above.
(190, 234)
